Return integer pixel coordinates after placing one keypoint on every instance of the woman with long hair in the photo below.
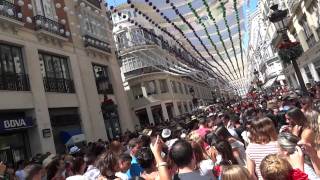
(299, 125)
(203, 162)
(263, 141)
(237, 146)
(107, 164)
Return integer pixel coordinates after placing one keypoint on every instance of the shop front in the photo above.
(14, 141)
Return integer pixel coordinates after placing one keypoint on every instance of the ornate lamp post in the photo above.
(287, 50)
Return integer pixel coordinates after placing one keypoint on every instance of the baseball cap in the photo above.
(74, 150)
(166, 133)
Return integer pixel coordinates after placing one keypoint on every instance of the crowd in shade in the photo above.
(271, 136)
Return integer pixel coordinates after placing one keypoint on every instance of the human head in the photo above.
(235, 172)
(78, 165)
(287, 143)
(264, 104)
(33, 172)
(181, 153)
(134, 146)
(296, 117)
(274, 168)
(124, 162)
(146, 159)
(107, 163)
(116, 147)
(225, 150)
(223, 133)
(263, 131)
(306, 102)
(211, 138)
(225, 119)
(198, 151)
(55, 166)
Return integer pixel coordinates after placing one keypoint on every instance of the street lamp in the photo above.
(288, 51)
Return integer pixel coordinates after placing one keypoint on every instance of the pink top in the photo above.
(203, 131)
(257, 152)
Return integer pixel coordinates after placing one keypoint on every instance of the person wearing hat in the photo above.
(166, 134)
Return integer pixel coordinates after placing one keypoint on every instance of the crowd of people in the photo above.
(269, 137)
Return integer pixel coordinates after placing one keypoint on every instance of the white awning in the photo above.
(75, 139)
(269, 83)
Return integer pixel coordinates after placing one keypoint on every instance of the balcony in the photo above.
(14, 82)
(10, 13)
(50, 27)
(96, 44)
(293, 5)
(96, 3)
(104, 86)
(59, 85)
(311, 41)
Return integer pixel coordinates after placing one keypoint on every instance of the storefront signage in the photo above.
(15, 123)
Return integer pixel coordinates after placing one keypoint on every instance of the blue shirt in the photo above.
(135, 169)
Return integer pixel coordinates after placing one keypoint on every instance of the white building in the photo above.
(261, 54)
(159, 84)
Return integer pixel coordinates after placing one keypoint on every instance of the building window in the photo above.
(137, 36)
(45, 8)
(12, 72)
(122, 40)
(137, 91)
(317, 66)
(308, 73)
(56, 74)
(163, 86)
(186, 88)
(311, 41)
(93, 25)
(151, 87)
(103, 83)
(174, 87)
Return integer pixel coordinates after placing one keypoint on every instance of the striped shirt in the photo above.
(256, 152)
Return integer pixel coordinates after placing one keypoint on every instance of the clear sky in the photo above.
(115, 2)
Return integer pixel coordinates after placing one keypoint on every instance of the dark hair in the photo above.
(181, 153)
(53, 168)
(133, 142)
(76, 164)
(297, 116)
(223, 133)
(263, 131)
(211, 138)
(125, 157)
(145, 140)
(225, 149)
(115, 147)
(145, 158)
(31, 170)
(107, 162)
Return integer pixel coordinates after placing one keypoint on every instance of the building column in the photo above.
(144, 90)
(38, 143)
(301, 35)
(175, 108)
(293, 80)
(150, 115)
(304, 75)
(164, 112)
(313, 72)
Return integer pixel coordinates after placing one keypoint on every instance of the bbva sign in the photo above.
(15, 123)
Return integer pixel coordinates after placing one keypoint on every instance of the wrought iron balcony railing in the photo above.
(90, 41)
(104, 86)
(311, 41)
(60, 85)
(14, 82)
(96, 3)
(49, 25)
(10, 10)
(292, 5)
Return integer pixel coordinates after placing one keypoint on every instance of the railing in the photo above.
(58, 85)
(10, 10)
(151, 39)
(96, 3)
(14, 82)
(311, 41)
(90, 41)
(104, 86)
(54, 27)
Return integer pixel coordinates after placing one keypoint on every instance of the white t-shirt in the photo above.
(206, 167)
(122, 176)
(242, 152)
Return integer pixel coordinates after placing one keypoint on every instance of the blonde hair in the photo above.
(274, 168)
(235, 172)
